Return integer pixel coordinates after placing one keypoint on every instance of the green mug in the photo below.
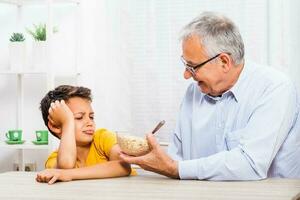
(41, 135)
(14, 135)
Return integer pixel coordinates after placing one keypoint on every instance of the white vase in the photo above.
(17, 56)
(39, 56)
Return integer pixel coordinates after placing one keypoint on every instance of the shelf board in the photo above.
(20, 73)
(67, 74)
(37, 2)
(27, 145)
(39, 72)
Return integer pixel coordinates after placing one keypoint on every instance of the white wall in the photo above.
(145, 49)
(129, 57)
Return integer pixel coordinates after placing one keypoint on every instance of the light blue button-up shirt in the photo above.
(251, 132)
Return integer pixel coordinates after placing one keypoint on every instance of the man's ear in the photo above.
(56, 130)
(225, 62)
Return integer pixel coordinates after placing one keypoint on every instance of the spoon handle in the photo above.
(159, 125)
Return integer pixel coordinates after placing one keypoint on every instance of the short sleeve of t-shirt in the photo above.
(104, 140)
(51, 161)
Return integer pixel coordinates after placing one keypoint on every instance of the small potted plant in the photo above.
(39, 49)
(17, 51)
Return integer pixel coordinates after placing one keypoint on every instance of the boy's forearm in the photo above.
(104, 170)
(66, 158)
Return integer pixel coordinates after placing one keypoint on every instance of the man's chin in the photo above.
(202, 88)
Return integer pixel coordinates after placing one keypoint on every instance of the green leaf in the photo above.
(39, 32)
(17, 37)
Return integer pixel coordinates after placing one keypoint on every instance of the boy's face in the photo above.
(84, 119)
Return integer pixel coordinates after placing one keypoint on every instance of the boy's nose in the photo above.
(89, 122)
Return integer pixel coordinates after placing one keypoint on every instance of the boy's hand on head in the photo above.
(60, 113)
(50, 176)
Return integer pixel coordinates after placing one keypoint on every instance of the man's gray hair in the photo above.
(217, 34)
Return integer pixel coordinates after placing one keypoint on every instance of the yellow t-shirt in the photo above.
(99, 152)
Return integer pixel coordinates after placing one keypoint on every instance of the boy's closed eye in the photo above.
(79, 116)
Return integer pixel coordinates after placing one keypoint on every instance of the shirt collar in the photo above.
(236, 90)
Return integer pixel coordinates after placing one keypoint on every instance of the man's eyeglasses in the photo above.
(193, 69)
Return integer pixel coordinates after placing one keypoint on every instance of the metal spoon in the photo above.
(159, 125)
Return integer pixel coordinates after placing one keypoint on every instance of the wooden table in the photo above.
(22, 185)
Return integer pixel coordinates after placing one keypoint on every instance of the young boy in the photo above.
(83, 153)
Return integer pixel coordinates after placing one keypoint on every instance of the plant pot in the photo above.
(39, 56)
(17, 56)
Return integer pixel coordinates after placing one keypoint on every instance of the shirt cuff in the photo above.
(188, 169)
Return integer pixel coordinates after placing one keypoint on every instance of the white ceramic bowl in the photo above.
(132, 145)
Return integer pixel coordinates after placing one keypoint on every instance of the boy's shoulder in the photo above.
(103, 135)
(104, 140)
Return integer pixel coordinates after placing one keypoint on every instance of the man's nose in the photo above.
(187, 74)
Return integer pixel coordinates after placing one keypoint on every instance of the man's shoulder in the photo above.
(264, 80)
(269, 75)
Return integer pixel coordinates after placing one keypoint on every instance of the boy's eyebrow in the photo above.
(91, 113)
(82, 113)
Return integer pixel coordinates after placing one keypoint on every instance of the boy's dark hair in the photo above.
(62, 92)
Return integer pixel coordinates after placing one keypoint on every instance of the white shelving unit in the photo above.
(21, 148)
(49, 73)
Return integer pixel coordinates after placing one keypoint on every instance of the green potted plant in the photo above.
(38, 33)
(39, 47)
(17, 51)
(17, 37)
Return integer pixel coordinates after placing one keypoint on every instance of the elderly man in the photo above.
(237, 121)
